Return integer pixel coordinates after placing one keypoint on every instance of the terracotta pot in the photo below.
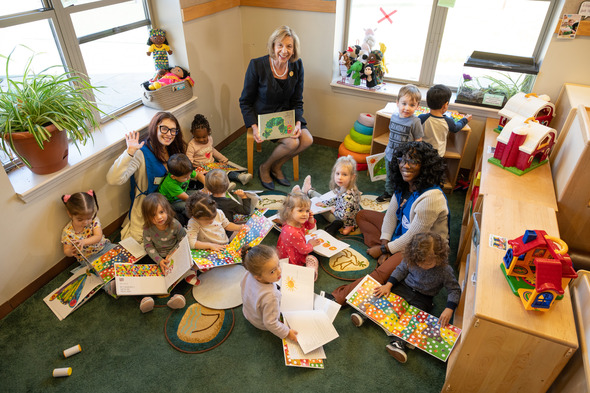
(53, 156)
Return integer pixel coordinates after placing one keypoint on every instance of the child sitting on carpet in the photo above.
(161, 233)
(347, 202)
(296, 216)
(422, 273)
(200, 150)
(217, 183)
(84, 230)
(207, 225)
(175, 185)
(260, 296)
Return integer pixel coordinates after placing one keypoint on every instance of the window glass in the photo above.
(401, 25)
(105, 18)
(16, 7)
(497, 26)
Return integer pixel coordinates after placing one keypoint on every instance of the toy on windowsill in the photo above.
(527, 105)
(355, 72)
(369, 75)
(159, 47)
(167, 77)
(537, 268)
(523, 145)
(343, 64)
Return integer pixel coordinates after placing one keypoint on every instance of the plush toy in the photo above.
(353, 52)
(375, 60)
(173, 75)
(159, 47)
(355, 72)
(343, 64)
(383, 48)
(369, 75)
(368, 40)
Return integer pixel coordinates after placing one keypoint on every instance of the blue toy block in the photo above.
(529, 235)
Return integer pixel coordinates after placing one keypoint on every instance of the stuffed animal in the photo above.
(355, 72)
(375, 60)
(369, 75)
(383, 63)
(159, 47)
(343, 64)
(368, 40)
(353, 52)
(173, 75)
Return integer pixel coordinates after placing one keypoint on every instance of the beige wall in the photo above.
(218, 48)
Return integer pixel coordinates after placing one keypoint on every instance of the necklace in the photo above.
(272, 63)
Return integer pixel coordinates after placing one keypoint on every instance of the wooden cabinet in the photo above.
(456, 144)
(504, 348)
(570, 97)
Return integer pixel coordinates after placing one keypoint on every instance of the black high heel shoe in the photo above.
(283, 182)
(267, 185)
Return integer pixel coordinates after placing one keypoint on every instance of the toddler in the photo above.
(296, 216)
(435, 124)
(201, 151)
(161, 233)
(175, 185)
(422, 273)
(347, 202)
(84, 230)
(260, 296)
(217, 183)
(403, 127)
(207, 225)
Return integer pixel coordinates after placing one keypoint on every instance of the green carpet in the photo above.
(124, 350)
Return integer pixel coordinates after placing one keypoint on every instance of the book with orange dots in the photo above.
(329, 245)
(398, 318)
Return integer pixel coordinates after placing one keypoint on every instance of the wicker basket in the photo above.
(167, 96)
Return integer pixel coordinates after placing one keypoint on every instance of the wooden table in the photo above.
(503, 347)
(535, 186)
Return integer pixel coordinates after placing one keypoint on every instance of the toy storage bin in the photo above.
(167, 96)
(490, 79)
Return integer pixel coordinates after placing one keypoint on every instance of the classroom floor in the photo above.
(125, 350)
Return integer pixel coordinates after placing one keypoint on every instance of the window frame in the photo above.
(435, 36)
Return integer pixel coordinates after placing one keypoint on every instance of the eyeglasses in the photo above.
(164, 130)
(401, 161)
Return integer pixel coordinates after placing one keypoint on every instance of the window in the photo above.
(427, 44)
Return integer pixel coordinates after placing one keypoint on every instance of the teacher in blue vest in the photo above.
(418, 205)
(274, 83)
(144, 163)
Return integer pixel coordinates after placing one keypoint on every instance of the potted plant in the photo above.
(39, 112)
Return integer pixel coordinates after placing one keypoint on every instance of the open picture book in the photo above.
(251, 234)
(227, 166)
(276, 125)
(329, 245)
(400, 319)
(311, 318)
(149, 279)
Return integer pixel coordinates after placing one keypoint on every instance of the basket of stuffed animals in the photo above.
(169, 89)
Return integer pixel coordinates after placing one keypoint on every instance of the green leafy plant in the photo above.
(509, 86)
(35, 100)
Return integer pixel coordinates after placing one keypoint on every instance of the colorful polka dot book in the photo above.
(228, 167)
(400, 319)
(252, 234)
(105, 265)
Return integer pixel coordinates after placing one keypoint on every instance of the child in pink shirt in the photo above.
(297, 218)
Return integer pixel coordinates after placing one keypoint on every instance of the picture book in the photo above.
(228, 167)
(294, 357)
(73, 293)
(149, 279)
(400, 319)
(314, 326)
(104, 266)
(276, 125)
(317, 203)
(329, 245)
(251, 234)
(376, 166)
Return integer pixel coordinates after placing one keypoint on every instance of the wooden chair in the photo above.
(250, 150)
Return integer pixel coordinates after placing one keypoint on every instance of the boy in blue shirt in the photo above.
(403, 127)
(435, 124)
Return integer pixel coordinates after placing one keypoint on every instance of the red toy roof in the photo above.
(548, 274)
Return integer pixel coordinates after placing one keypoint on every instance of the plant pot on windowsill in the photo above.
(32, 102)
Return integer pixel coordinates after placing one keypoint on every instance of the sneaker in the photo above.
(383, 197)
(396, 350)
(146, 304)
(357, 319)
(177, 301)
(410, 346)
(244, 178)
(231, 186)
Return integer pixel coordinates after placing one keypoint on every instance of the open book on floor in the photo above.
(149, 279)
(227, 166)
(251, 234)
(400, 319)
(329, 245)
(312, 319)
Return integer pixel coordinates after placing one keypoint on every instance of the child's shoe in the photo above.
(306, 185)
(231, 186)
(357, 319)
(383, 197)
(312, 262)
(397, 350)
(244, 178)
(177, 301)
(192, 279)
(146, 304)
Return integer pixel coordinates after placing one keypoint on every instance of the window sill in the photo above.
(108, 143)
(388, 92)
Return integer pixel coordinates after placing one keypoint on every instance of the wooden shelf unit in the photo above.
(456, 144)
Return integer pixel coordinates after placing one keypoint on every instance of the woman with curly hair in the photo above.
(418, 205)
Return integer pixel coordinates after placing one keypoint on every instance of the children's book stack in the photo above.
(400, 319)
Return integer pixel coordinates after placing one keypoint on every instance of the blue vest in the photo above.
(156, 171)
